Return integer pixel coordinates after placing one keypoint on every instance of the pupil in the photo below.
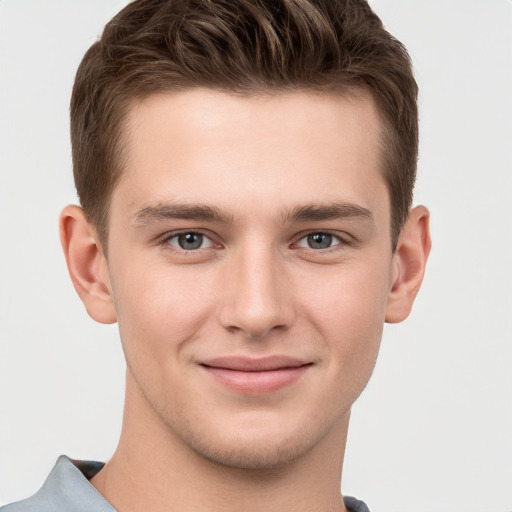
(190, 240)
(320, 240)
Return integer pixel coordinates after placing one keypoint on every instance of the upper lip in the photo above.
(251, 364)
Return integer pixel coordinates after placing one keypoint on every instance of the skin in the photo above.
(284, 196)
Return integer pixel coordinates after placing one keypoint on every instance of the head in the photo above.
(249, 166)
(242, 47)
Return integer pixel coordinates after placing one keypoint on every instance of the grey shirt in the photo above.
(67, 489)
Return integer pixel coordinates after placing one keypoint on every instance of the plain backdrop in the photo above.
(433, 430)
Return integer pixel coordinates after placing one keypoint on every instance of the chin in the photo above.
(262, 453)
(268, 443)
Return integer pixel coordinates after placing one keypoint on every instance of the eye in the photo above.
(189, 241)
(319, 240)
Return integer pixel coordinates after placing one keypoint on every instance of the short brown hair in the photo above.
(242, 47)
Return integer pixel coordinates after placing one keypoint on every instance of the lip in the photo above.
(256, 376)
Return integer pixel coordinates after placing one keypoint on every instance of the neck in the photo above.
(152, 469)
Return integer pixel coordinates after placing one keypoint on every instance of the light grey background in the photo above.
(433, 430)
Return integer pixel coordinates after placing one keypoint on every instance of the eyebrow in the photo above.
(161, 212)
(165, 211)
(330, 211)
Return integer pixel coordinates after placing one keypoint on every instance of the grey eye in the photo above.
(189, 241)
(319, 240)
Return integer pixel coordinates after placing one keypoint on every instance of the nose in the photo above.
(256, 295)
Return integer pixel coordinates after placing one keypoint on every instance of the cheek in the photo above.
(348, 296)
(349, 310)
(160, 309)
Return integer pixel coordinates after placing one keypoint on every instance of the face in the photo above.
(250, 262)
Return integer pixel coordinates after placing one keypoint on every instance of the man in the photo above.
(245, 172)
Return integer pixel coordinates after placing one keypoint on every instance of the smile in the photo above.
(256, 376)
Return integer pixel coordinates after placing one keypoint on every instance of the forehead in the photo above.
(203, 146)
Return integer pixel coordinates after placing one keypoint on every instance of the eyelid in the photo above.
(165, 239)
(341, 239)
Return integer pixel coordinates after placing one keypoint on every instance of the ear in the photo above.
(410, 258)
(87, 264)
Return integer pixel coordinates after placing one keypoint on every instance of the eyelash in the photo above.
(340, 242)
(166, 241)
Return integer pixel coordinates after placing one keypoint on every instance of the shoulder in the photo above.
(66, 489)
(32, 504)
(354, 505)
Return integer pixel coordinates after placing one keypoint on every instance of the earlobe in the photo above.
(87, 264)
(410, 259)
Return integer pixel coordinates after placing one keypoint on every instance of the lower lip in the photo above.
(257, 382)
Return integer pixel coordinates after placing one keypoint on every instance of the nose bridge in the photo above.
(255, 299)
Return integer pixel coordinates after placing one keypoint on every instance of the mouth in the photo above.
(256, 376)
